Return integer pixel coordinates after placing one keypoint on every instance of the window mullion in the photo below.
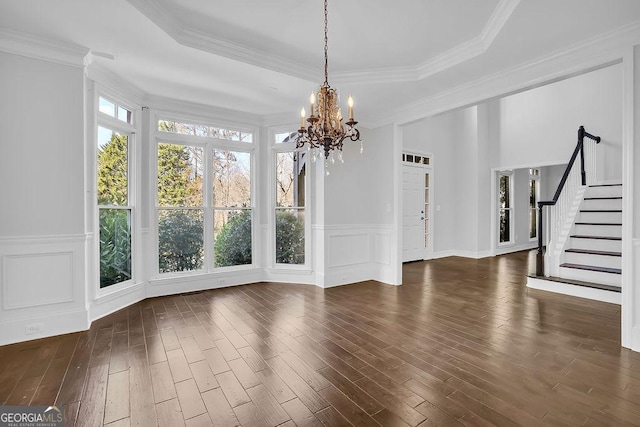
(208, 207)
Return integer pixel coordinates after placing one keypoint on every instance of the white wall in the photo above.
(42, 230)
(550, 177)
(461, 182)
(357, 206)
(41, 157)
(521, 207)
(539, 126)
(437, 135)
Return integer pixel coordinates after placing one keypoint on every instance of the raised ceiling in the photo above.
(264, 57)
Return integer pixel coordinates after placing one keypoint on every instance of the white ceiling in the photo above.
(264, 57)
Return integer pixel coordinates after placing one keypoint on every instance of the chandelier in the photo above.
(325, 129)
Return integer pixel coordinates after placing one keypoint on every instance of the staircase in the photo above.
(581, 254)
(593, 252)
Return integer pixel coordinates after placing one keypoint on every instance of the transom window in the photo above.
(115, 110)
(182, 128)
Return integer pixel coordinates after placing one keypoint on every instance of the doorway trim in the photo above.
(425, 161)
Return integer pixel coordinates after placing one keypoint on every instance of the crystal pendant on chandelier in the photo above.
(325, 127)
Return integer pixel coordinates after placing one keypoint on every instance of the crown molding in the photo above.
(114, 83)
(597, 52)
(457, 55)
(242, 53)
(219, 46)
(32, 46)
(205, 113)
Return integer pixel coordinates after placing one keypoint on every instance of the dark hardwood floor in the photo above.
(462, 342)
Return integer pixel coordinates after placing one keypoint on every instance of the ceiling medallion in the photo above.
(325, 129)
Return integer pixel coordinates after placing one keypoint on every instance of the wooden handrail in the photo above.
(578, 150)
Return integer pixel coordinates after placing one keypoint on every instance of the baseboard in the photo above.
(463, 254)
(516, 248)
(14, 331)
(201, 282)
(104, 305)
(573, 290)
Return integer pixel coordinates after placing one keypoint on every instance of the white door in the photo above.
(413, 213)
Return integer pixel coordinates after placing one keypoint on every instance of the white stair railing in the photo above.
(563, 209)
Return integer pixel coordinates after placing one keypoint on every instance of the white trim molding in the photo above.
(574, 290)
(32, 46)
(43, 286)
(207, 42)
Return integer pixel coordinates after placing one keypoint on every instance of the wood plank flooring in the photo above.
(462, 342)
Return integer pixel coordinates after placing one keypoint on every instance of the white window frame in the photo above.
(512, 224)
(133, 147)
(208, 144)
(271, 253)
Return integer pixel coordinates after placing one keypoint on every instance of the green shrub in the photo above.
(180, 240)
(115, 247)
(289, 238)
(233, 242)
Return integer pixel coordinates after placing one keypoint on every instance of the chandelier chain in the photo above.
(326, 43)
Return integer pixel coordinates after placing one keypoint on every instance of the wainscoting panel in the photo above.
(42, 282)
(348, 249)
(30, 280)
(382, 248)
(356, 253)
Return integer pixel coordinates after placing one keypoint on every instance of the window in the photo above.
(534, 186)
(114, 192)
(204, 198)
(180, 208)
(505, 195)
(232, 208)
(290, 193)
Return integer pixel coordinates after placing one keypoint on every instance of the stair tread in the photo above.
(599, 223)
(593, 252)
(601, 210)
(611, 288)
(592, 268)
(583, 236)
(604, 198)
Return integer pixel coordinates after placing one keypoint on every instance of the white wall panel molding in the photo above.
(26, 279)
(348, 249)
(41, 280)
(42, 240)
(355, 253)
(32, 46)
